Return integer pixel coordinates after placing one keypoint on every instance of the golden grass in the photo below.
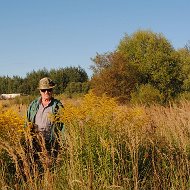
(105, 146)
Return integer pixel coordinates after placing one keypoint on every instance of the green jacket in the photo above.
(33, 108)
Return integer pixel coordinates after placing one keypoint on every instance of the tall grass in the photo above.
(104, 146)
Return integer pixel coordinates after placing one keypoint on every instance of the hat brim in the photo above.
(46, 87)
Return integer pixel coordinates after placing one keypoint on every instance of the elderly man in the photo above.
(41, 116)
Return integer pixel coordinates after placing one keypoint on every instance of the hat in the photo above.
(46, 83)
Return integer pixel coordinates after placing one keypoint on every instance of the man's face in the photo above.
(46, 93)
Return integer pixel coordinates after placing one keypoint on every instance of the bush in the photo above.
(147, 95)
(105, 146)
(77, 88)
(183, 96)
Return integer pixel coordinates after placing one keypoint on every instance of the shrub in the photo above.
(146, 94)
(105, 146)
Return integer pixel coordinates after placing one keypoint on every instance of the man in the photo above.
(41, 115)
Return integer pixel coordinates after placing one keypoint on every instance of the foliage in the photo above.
(77, 88)
(105, 146)
(75, 74)
(29, 84)
(11, 119)
(60, 79)
(116, 79)
(145, 58)
(10, 85)
(32, 79)
(184, 55)
(183, 96)
(147, 95)
(64, 76)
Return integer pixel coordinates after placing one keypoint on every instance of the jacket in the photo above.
(32, 111)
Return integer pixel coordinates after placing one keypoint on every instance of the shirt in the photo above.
(43, 118)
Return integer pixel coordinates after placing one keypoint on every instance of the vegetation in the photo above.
(143, 64)
(62, 77)
(142, 59)
(142, 144)
(105, 146)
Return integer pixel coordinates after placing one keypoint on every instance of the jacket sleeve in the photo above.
(31, 111)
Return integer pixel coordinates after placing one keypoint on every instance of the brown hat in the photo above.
(46, 83)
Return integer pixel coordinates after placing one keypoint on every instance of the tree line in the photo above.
(143, 68)
(68, 80)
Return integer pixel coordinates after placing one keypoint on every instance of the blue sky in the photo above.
(37, 34)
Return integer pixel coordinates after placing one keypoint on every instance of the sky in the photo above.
(53, 34)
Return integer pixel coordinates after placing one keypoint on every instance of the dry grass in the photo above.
(105, 146)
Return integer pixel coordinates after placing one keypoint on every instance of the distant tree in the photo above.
(3, 85)
(6, 84)
(32, 79)
(29, 84)
(74, 87)
(146, 94)
(77, 88)
(187, 46)
(86, 87)
(114, 76)
(64, 76)
(75, 74)
(148, 58)
(184, 54)
(17, 83)
(59, 77)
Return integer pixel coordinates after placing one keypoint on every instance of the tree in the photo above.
(75, 74)
(28, 85)
(17, 83)
(4, 84)
(184, 54)
(114, 76)
(32, 79)
(147, 58)
(59, 77)
(146, 94)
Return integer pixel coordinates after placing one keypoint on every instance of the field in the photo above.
(105, 146)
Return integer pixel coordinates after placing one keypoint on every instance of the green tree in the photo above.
(77, 88)
(29, 84)
(157, 61)
(148, 58)
(59, 76)
(146, 94)
(32, 79)
(74, 87)
(184, 54)
(6, 85)
(3, 85)
(75, 74)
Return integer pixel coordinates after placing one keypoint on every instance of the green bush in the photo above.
(183, 96)
(146, 94)
(77, 88)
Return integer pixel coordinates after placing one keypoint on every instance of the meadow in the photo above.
(105, 146)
